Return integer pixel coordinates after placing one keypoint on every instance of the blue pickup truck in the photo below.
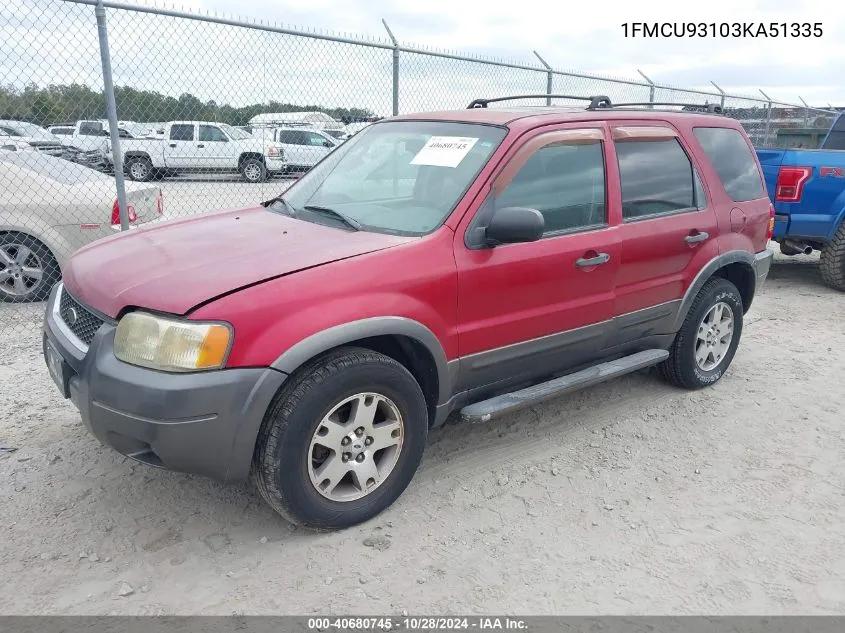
(807, 188)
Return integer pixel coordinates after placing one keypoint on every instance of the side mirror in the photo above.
(510, 225)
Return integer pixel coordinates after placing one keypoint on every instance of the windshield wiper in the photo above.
(281, 200)
(350, 222)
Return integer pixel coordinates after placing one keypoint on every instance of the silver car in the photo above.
(50, 208)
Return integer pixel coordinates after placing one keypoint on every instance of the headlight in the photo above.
(171, 344)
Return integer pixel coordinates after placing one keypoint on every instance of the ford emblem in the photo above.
(72, 316)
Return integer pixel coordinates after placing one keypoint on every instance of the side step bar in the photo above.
(486, 410)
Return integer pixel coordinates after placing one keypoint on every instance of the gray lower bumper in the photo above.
(203, 423)
(762, 264)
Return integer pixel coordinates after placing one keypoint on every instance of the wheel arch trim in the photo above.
(345, 333)
(707, 271)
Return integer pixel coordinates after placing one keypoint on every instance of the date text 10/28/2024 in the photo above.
(417, 624)
(722, 29)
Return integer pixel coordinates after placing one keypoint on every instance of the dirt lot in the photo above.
(631, 497)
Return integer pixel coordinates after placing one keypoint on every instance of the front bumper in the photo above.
(762, 264)
(203, 423)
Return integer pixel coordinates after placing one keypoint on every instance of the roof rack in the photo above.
(688, 107)
(595, 102)
(601, 102)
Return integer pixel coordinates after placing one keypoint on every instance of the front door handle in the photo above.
(200, 145)
(696, 237)
(173, 145)
(597, 260)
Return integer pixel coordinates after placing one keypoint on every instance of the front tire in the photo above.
(832, 261)
(342, 441)
(705, 345)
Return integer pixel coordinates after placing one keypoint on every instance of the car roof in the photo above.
(533, 116)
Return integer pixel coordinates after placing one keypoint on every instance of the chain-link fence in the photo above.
(213, 113)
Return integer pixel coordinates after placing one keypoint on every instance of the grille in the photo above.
(78, 318)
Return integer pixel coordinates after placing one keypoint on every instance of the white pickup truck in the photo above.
(201, 147)
(89, 140)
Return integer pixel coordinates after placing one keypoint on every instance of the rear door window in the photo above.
(181, 132)
(657, 178)
(733, 161)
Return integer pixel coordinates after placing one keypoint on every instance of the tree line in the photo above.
(67, 103)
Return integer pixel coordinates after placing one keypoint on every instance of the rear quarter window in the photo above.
(733, 161)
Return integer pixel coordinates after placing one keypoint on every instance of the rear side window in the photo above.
(657, 178)
(181, 132)
(733, 161)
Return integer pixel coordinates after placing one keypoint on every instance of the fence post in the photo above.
(722, 100)
(806, 112)
(550, 79)
(111, 113)
(395, 68)
(768, 116)
(651, 87)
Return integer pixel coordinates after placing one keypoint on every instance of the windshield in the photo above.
(137, 129)
(400, 177)
(22, 128)
(234, 133)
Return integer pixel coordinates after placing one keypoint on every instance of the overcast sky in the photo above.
(54, 41)
(589, 37)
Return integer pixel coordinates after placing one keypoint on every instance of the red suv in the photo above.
(478, 260)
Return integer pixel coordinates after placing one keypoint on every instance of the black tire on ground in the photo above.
(681, 368)
(832, 261)
(139, 168)
(13, 274)
(282, 458)
(253, 170)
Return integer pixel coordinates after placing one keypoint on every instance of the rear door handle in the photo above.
(173, 145)
(598, 260)
(697, 237)
(200, 145)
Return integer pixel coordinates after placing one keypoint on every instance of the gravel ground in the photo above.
(627, 498)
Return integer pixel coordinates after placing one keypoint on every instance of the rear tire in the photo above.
(320, 460)
(832, 261)
(253, 170)
(705, 345)
(28, 269)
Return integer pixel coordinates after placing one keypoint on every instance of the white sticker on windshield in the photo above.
(444, 151)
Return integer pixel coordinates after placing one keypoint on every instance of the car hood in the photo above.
(175, 266)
